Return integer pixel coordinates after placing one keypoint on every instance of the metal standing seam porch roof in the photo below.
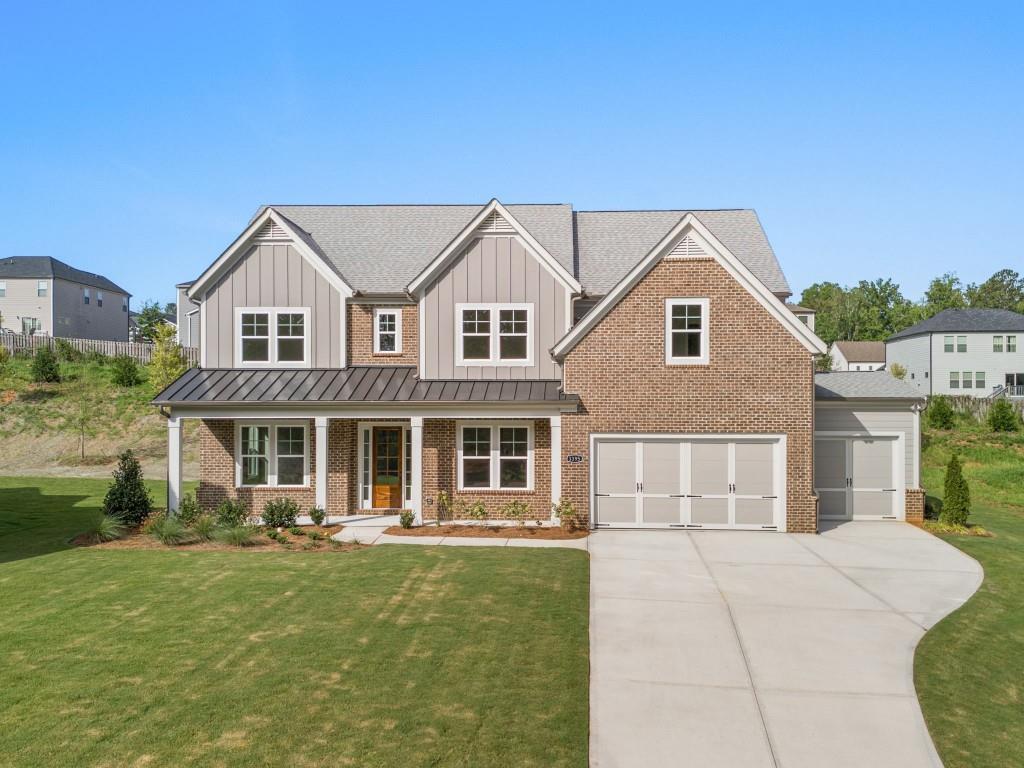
(383, 385)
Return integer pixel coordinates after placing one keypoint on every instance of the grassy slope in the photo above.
(969, 670)
(384, 656)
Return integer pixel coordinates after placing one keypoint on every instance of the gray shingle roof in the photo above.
(612, 242)
(39, 267)
(863, 385)
(862, 351)
(381, 248)
(966, 321)
(357, 384)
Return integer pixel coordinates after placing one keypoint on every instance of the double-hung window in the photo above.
(947, 344)
(493, 334)
(954, 379)
(387, 331)
(269, 337)
(979, 379)
(41, 288)
(997, 343)
(275, 455)
(961, 343)
(3, 289)
(85, 295)
(99, 298)
(495, 456)
(1011, 343)
(686, 331)
(967, 380)
(124, 303)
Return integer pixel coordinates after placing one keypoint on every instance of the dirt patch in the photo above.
(288, 542)
(8, 396)
(488, 532)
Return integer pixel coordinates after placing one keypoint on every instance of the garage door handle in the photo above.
(769, 497)
(602, 494)
(889, 490)
(677, 496)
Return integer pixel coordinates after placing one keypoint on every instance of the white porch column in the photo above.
(321, 462)
(556, 461)
(173, 464)
(416, 440)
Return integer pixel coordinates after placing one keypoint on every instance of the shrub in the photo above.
(515, 510)
(1002, 417)
(316, 536)
(237, 535)
(477, 510)
(406, 518)
(230, 513)
(317, 515)
(280, 513)
(565, 510)
(106, 528)
(169, 530)
(444, 506)
(189, 509)
(95, 357)
(956, 505)
(204, 527)
(168, 363)
(128, 497)
(66, 352)
(296, 531)
(45, 368)
(898, 371)
(124, 372)
(5, 359)
(940, 413)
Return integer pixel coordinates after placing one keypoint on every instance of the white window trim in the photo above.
(272, 453)
(397, 312)
(272, 337)
(705, 331)
(494, 426)
(494, 360)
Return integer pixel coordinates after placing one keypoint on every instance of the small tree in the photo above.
(824, 363)
(125, 372)
(940, 413)
(168, 363)
(45, 367)
(1002, 417)
(957, 503)
(898, 371)
(128, 497)
(149, 320)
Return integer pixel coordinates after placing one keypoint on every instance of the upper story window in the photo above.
(961, 343)
(41, 288)
(99, 298)
(269, 336)
(997, 343)
(686, 331)
(495, 456)
(387, 331)
(948, 343)
(124, 304)
(85, 295)
(3, 290)
(1011, 343)
(494, 334)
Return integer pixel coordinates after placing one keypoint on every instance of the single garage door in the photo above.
(676, 482)
(858, 478)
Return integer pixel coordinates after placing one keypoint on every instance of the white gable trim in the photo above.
(454, 249)
(251, 234)
(692, 227)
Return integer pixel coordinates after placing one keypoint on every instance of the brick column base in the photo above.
(913, 505)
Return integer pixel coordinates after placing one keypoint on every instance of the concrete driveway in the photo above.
(734, 648)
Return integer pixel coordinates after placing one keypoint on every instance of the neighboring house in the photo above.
(804, 314)
(858, 355)
(963, 352)
(187, 320)
(135, 333)
(43, 295)
(640, 365)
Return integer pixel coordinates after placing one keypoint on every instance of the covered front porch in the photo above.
(443, 451)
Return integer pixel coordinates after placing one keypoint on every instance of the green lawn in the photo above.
(969, 669)
(385, 656)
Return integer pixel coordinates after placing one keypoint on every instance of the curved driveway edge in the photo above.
(733, 648)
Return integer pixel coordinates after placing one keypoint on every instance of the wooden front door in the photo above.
(387, 467)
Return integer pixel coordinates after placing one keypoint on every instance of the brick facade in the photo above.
(913, 505)
(759, 379)
(360, 336)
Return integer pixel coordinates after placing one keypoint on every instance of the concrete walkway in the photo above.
(370, 530)
(733, 648)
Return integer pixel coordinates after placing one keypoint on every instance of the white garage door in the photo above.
(858, 478)
(676, 482)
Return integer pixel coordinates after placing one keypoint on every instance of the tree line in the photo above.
(874, 310)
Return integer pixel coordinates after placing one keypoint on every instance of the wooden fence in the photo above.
(140, 352)
(978, 407)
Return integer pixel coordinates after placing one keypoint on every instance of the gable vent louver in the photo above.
(687, 248)
(495, 223)
(272, 231)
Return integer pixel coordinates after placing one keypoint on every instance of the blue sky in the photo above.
(136, 139)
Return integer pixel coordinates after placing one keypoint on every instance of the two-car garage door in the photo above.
(688, 482)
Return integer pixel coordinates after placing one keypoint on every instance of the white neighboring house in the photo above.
(975, 352)
(858, 355)
(804, 314)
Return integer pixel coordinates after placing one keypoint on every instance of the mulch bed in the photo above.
(136, 539)
(488, 532)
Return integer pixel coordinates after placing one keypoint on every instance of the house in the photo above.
(858, 355)
(975, 352)
(642, 366)
(804, 314)
(43, 295)
(187, 319)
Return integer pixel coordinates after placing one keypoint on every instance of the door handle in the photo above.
(602, 494)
